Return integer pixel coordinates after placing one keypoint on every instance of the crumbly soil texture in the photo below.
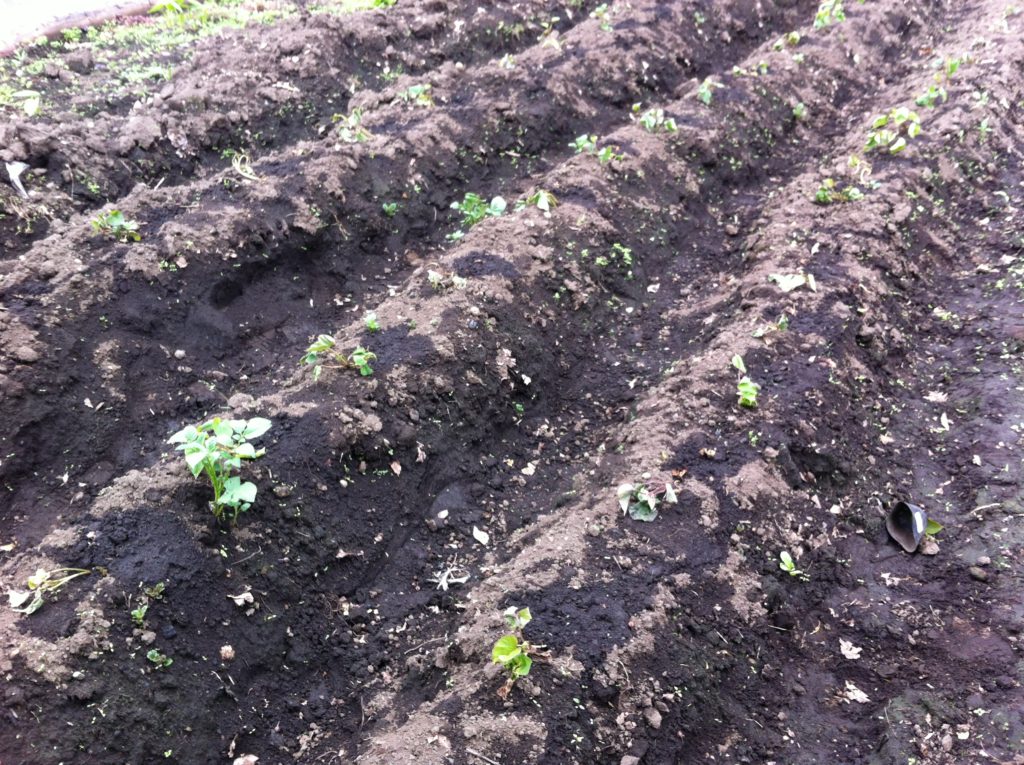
(685, 183)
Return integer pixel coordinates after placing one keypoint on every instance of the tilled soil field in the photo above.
(683, 183)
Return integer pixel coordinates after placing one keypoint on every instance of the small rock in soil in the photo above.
(653, 717)
(977, 573)
(929, 547)
(179, 354)
(282, 490)
(629, 760)
(148, 637)
(25, 354)
(984, 560)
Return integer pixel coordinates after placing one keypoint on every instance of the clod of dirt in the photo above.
(978, 573)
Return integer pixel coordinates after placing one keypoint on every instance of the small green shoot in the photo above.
(371, 322)
(323, 350)
(511, 651)
(418, 95)
(887, 131)
(351, 129)
(746, 389)
(654, 120)
(641, 500)
(139, 614)
(800, 111)
(786, 564)
(829, 12)
(159, 660)
(543, 200)
(217, 448)
(41, 584)
(390, 209)
(609, 154)
(704, 91)
(114, 225)
(829, 192)
(474, 209)
(584, 144)
(360, 358)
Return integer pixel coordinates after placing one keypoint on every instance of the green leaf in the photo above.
(625, 494)
(520, 665)
(506, 650)
(641, 511)
(246, 451)
(737, 362)
(256, 427)
(933, 528)
(524, 617)
(195, 460)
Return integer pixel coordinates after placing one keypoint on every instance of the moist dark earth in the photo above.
(524, 370)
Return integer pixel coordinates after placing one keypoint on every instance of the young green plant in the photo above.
(114, 225)
(512, 651)
(216, 448)
(42, 583)
(474, 209)
(641, 500)
(787, 564)
(322, 350)
(746, 389)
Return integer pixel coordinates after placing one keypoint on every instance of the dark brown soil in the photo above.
(516, 402)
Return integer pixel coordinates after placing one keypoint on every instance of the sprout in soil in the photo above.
(217, 448)
(746, 389)
(41, 583)
(474, 209)
(641, 500)
(786, 564)
(513, 652)
(322, 350)
(370, 320)
(159, 660)
(114, 225)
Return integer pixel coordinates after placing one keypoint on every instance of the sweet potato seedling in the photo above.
(511, 651)
(42, 583)
(641, 500)
(322, 350)
(746, 389)
(829, 192)
(474, 209)
(159, 660)
(350, 127)
(786, 564)
(114, 225)
(216, 448)
(892, 130)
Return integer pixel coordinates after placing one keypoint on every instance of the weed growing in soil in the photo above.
(746, 389)
(887, 130)
(786, 564)
(371, 323)
(323, 348)
(829, 192)
(114, 225)
(39, 585)
(800, 111)
(217, 448)
(641, 500)
(513, 652)
(160, 661)
(390, 209)
(351, 129)
(474, 209)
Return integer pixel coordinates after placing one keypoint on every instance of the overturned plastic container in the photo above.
(907, 524)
